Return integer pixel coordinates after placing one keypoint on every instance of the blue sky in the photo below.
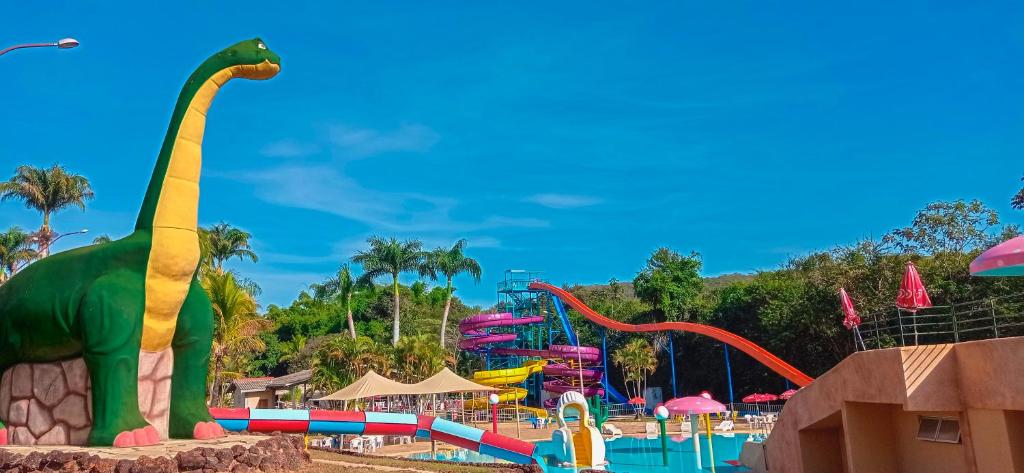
(571, 138)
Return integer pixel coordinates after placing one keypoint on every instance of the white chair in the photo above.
(725, 426)
(651, 430)
(612, 430)
(356, 445)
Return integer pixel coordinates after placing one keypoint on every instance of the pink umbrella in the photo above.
(697, 405)
(912, 296)
(850, 318)
(1004, 259)
(787, 394)
(694, 405)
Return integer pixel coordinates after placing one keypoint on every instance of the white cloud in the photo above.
(324, 188)
(289, 149)
(362, 142)
(563, 201)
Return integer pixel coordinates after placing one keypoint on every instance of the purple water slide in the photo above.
(472, 327)
(566, 370)
(559, 387)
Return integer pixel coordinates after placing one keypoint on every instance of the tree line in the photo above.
(363, 317)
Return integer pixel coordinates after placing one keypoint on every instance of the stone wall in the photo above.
(278, 453)
(51, 403)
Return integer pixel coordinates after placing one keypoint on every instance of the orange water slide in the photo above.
(742, 344)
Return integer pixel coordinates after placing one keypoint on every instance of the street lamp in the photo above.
(44, 249)
(66, 43)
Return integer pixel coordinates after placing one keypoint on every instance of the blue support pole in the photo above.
(672, 362)
(728, 371)
(604, 356)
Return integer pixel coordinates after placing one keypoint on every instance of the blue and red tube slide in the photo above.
(328, 422)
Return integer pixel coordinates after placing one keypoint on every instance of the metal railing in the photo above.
(976, 320)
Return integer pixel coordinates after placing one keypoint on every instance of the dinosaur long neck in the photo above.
(172, 198)
(171, 208)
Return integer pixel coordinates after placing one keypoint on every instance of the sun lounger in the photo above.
(725, 426)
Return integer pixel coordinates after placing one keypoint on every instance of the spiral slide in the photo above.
(375, 423)
(746, 346)
(565, 375)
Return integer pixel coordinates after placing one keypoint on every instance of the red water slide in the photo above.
(742, 344)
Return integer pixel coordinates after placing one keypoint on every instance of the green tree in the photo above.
(342, 287)
(451, 262)
(671, 283)
(390, 257)
(237, 325)
(222, 242)
(339, 361)
(418, 357)
(15, 250)
(637, 361)
(101, 239)
(46, 191)
(948, 227)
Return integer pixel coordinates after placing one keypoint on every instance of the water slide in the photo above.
(742, 344)
(563, 316)
(303, 421)
(565, 376)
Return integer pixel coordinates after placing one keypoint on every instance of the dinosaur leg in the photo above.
(111, 318)
(193, 337)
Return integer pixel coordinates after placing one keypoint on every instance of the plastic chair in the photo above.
(651, 430)
(356, 445)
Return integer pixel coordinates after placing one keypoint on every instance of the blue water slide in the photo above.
(613, 394)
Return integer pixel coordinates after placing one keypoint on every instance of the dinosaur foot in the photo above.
(137, 438)
(207, 430)
(3, 436)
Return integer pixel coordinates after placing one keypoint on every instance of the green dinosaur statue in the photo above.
(120, 305)
(598, 409)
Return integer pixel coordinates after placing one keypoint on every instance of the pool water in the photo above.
(631, 455)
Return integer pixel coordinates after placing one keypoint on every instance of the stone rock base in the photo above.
(51, 403)
(278, 453)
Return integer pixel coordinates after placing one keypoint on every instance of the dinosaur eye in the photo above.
(261, 46)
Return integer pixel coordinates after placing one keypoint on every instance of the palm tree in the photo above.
(15, 249)
(637, 360)
(292, 349)
(339, 361)
(390, 257)
(342, 286)
(236, 324)
(47, 191)
(418, 357)
(223, 242)
(451, 262)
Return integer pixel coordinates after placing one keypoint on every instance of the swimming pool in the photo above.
(632, 455)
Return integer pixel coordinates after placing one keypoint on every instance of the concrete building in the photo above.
(924, 409)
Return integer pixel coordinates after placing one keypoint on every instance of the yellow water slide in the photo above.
(506, 378)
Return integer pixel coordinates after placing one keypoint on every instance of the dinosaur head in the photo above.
(250, 59)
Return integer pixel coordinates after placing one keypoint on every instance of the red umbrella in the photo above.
(912, 295)
(787, 394)
(850, 318)
(760, 397)
(638, 401)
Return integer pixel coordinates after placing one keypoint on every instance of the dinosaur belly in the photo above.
(49, 403)
(173, 260)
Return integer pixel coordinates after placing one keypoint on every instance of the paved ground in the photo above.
(168, 448)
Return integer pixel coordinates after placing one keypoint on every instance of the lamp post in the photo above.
(493, 400)
(66, 43)
(45, 249)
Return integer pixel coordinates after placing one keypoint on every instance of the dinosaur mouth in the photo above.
(263, 70)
